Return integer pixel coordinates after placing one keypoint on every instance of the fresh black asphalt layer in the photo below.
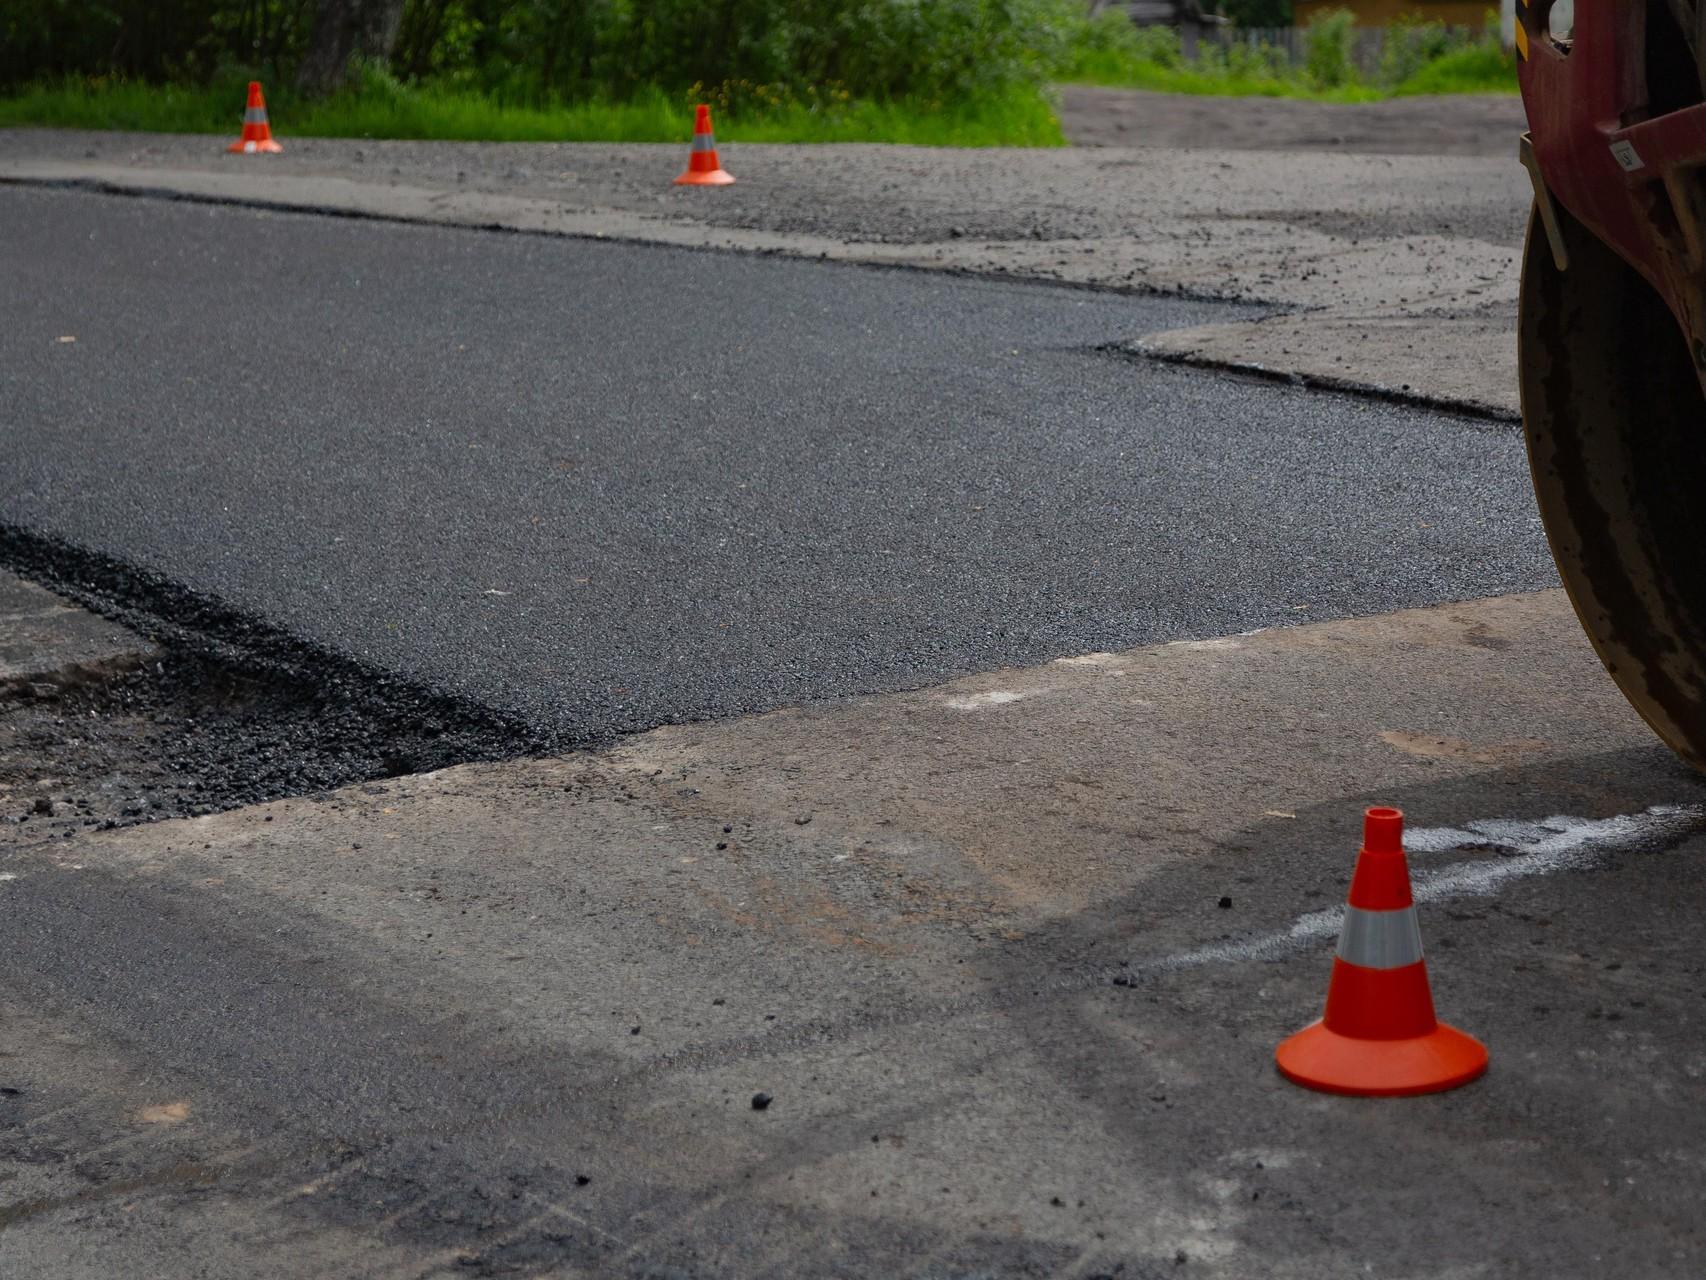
(599, 487)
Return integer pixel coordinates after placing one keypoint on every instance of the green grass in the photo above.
(1479, 70)
(386, 109)
(1465, 71)
(1109, 51)
(1210, 79)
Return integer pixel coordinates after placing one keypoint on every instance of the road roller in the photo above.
(1612, 335)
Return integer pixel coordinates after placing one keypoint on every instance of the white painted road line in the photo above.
(1539, 848)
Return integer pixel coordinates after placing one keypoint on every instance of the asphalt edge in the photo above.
(173, 616)
(101, 186)
(1472, 410)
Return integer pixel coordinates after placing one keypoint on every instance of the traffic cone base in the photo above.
(1321, 1059)
(714, 178)
(251, 147)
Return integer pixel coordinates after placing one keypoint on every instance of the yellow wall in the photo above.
(1378, 13)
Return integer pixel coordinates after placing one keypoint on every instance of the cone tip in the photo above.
(1383, 830)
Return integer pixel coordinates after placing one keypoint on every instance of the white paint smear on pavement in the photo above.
(1529, 849)
(1090, 660)
(977, 701)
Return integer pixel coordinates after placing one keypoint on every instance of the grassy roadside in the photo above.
(385, 109)
(1465, 71)
(1015, 110)
(1213, 80)
(967, 73)
(1417, 57)
(1478, 70)
(1462, 72)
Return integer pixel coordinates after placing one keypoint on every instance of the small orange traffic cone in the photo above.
(702, 167)
(257, 133)
(1379, 1037)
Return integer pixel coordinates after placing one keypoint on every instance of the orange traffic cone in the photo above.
(1379, 1037)
(702, 167)
(257, 133)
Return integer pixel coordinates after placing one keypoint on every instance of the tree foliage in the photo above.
(542, 50)
(147, 39)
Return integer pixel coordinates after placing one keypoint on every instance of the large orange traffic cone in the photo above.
(1379, 1037)
(257, 133)
(702, 167)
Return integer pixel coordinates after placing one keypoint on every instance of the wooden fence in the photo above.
(1370, 42)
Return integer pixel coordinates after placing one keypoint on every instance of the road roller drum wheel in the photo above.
(1616, 425)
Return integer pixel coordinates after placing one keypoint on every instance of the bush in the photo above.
(1104, 48)
(1158, 46)
(1412, 44)
(1329, 49)
(1245, 61)
(1111, 31)
(1481, 68)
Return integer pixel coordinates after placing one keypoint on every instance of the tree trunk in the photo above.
(343, 29)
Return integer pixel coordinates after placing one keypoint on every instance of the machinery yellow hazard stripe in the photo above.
(1521, 40)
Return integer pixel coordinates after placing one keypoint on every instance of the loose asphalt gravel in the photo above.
(601, 487)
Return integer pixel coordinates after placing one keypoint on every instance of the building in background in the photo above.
(1161, 13)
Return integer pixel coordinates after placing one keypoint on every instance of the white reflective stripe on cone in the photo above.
(254, 115)
(1380, 939)
(704, 142)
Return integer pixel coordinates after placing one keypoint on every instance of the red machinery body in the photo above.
(1610, 153)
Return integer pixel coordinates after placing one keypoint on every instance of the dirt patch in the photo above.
(1435, 746)
(217, 711)
(47, 645)
(188, 736)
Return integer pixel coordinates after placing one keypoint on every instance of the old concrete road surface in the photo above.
(1008, 957)
(953, 977)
